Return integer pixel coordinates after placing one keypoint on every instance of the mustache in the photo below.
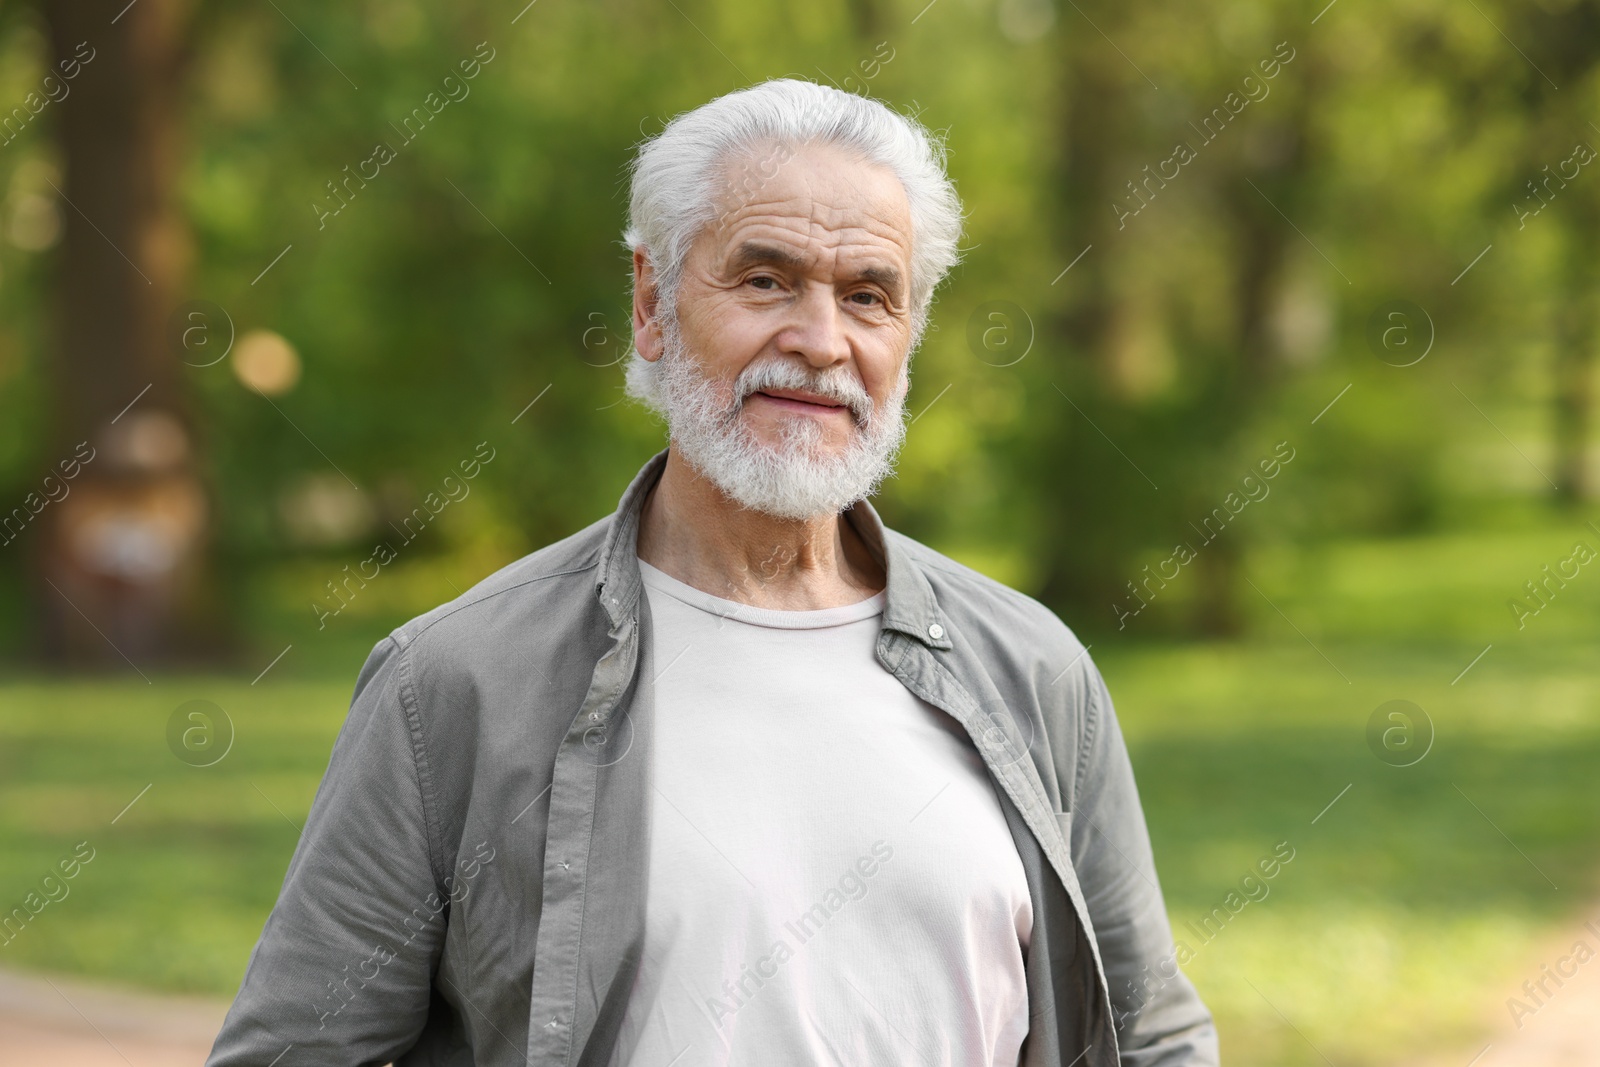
(839, 386)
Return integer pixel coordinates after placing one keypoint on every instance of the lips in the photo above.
(797, 397)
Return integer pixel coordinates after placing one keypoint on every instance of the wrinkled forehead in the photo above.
(817, 199)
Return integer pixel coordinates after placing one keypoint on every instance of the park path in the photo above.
(61, 1022)
(1556, 1027)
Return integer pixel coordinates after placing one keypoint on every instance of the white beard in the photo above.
(798, 478)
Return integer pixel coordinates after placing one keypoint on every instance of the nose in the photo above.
(817, 329)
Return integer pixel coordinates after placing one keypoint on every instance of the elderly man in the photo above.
(737, 774)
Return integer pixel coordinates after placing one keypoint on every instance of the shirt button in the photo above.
(936, 631)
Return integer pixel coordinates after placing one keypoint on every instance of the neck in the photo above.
(693, 531)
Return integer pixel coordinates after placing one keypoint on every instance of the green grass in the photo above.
(1404, 910)
(1407, 915)
(180, 885)
(1401, 925)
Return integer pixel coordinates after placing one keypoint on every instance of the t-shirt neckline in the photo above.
(816, 618)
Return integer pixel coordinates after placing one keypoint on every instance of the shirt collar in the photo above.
(910, 606)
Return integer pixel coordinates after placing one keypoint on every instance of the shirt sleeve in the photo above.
(1159, 1017)
(345, 964)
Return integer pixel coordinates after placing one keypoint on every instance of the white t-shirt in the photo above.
(831, 878)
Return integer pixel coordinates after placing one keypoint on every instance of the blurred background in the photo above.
(1264, 369)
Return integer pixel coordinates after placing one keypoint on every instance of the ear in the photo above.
(646, 301)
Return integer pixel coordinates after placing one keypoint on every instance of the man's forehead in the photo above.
(784, 244)
(816, 200)
(835, 177)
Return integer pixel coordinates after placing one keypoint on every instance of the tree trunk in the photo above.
(1088, 138)
(120, 554)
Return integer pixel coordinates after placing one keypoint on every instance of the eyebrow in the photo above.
(756, 253)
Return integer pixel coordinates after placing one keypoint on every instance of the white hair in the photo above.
(676, 182)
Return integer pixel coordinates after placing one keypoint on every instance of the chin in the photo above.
(800, 435)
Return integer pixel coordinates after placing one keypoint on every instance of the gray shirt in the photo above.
(469, 886)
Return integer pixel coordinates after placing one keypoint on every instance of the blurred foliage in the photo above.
(482, 266)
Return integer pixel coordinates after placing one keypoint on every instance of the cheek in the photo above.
(741, 328)
(883, 366)
(725, 336)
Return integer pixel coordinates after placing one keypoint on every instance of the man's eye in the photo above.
(762, 281)
(871, 298)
